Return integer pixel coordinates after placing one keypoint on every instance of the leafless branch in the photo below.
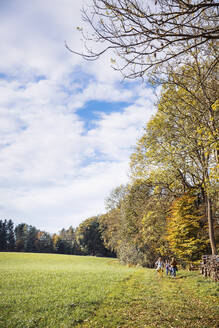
(145, 38)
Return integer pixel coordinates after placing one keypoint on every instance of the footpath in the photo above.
(145, 301)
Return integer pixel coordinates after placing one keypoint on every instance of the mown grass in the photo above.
(41, 290)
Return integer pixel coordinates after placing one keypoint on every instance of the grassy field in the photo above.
(41, 290)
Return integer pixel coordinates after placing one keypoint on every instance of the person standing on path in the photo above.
(167, 267)
(159, 267)
(173, 264)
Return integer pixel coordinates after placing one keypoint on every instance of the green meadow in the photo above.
(48, 290)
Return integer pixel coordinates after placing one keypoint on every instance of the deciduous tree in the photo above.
(175, 152)
(145, 35)
(187, 229)
(89, 238)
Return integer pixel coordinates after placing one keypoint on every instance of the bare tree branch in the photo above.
(146, 35)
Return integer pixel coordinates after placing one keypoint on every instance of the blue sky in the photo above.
(67, 126)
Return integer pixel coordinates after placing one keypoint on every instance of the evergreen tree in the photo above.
(10, 236)
(3, 235)
(30, 243)
(44, 242)
(20, 236)
(60, 247)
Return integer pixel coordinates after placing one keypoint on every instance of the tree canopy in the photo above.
(176, 151)
(145, 35)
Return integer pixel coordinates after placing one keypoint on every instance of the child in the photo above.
(173, 267)
(167, 267)
(159, 267)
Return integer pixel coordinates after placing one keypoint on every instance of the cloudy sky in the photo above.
(67, 126)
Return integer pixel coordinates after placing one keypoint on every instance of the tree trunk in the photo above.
(211, 226)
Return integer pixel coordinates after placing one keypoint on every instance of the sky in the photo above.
(67, 126)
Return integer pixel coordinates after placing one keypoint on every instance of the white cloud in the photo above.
(54, 172)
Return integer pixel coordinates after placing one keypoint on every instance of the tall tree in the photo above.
(43, 242)
(175, 145)
(11, 236)
(30, 239)
(135, 228)
(116, 197)
(90, 239)
(20, 236)
(145, 35)
(3, 235)
(187, 229)
(145, 214)
(67, 241)
(112, 229)
(55, 241)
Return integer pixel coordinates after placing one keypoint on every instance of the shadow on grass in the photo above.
(177, 278)
(205, 281)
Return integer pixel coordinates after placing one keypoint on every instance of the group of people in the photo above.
(169, 266)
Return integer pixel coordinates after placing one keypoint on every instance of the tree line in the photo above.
(170, 205)
(84, 240)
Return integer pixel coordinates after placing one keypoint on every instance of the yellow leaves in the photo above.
(55, 239)
(199, 130)
(213, 175)
(146, 218)
(184, 227)
(215, 105)
(157, 190)
(206, 153)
